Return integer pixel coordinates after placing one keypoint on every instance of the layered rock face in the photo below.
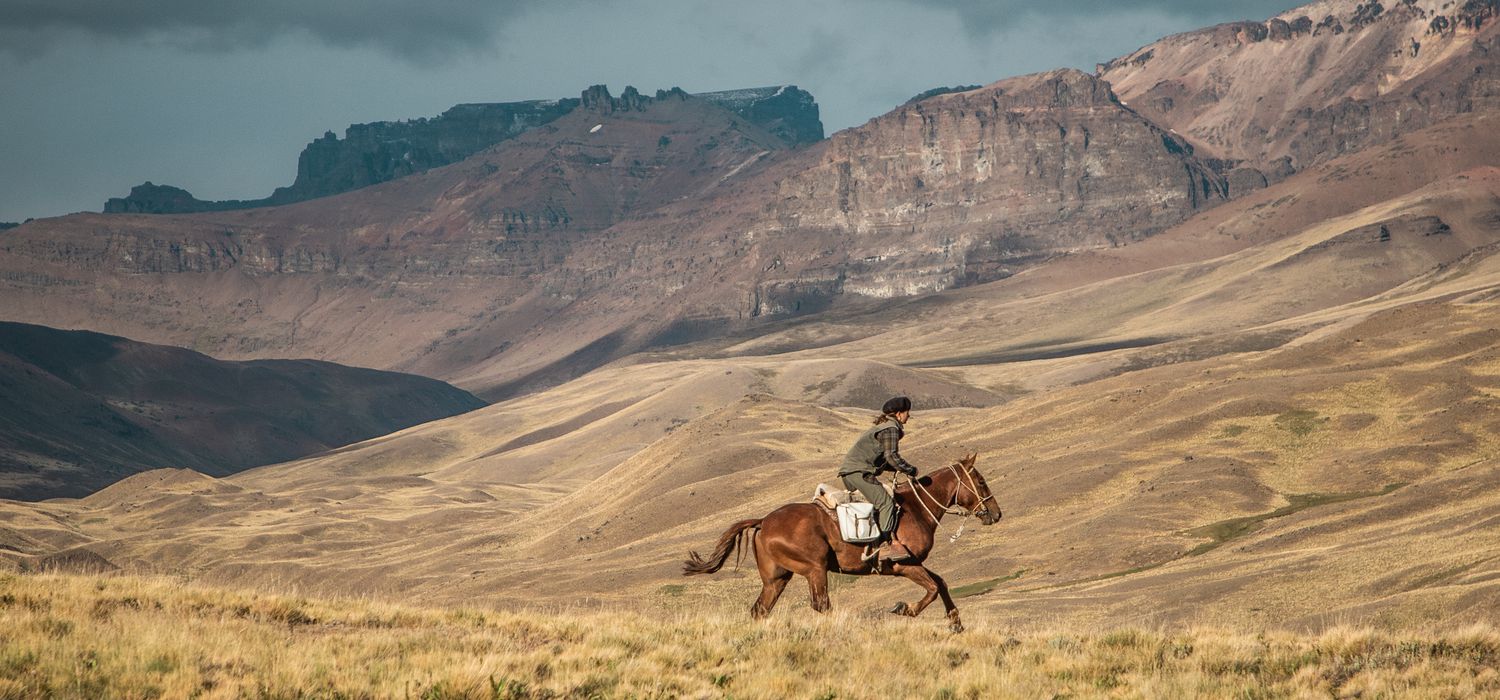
(955, 189)
(967, 187)
(442, 269)
(382, 151)
(532, 259)
(1315, 82)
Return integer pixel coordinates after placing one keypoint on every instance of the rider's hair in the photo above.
(884, 417)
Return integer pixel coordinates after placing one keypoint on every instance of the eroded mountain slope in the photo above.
(1315, 82)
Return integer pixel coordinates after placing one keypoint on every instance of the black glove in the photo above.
(909, 470)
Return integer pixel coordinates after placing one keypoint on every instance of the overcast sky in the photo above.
(220, 96)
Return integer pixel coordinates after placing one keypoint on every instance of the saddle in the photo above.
(830, 497)
(854, 513)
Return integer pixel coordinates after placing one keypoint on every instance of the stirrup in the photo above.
(869, 554)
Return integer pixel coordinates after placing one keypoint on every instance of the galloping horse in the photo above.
(804, 539)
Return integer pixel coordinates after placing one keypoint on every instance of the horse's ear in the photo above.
(969, 460)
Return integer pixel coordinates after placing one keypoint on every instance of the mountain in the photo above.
(452, 255)
(521, 266)
(1332, 77)
(81, 410)
(380, 151)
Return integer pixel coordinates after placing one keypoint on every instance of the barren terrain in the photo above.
(1278, 411)
(1308, 437)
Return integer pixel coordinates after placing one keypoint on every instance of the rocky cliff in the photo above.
(381, 151)
(151, 198)
(83, 410)
(956, 189)
(1266, 98)
(784, 110)
(455, 266)
(639, 221)
(528, 262)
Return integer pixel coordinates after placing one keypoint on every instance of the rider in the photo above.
(875, 452)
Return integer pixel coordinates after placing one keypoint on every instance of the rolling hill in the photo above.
(81, 410)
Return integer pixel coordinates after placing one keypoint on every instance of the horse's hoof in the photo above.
(956, 627)
(899, 609)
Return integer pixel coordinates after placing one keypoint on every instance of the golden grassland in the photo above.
(80, 636)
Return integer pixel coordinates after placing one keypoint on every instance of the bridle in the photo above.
(981, 510)
(971, 484)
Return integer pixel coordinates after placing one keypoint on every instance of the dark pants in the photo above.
(875, 493)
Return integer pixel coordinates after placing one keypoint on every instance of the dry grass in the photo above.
(72, 636)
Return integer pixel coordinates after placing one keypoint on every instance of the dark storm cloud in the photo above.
(420, 31)
(985, 16)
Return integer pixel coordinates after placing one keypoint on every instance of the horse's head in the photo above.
(974, 493)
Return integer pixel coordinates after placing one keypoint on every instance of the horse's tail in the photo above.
(727, 542)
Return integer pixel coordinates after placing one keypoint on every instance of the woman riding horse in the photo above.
(875, 451)
(803, 539)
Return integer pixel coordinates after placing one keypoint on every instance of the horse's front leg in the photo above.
(919, 575)
(953, 622)
(935, 587)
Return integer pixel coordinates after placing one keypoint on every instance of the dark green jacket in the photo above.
(868, 456)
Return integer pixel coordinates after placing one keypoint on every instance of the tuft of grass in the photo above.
(983, 587)
(1232, 430)
(1299, 422)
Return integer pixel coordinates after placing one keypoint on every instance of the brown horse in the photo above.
(803, 539)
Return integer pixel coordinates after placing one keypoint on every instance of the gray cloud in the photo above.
(421, 32)
(988, 16)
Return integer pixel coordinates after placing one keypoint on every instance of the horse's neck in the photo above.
(941, 491)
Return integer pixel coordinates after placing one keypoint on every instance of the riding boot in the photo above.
(894, 551)
(878, 548)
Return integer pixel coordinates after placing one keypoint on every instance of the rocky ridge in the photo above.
(523, 265)
(957, 189)
(381, 151)
(526, 264)
(1263, 99)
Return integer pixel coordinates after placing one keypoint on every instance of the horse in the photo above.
(804, 539)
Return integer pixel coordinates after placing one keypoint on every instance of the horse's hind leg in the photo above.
(770, 590)
(773, 580)
(817, 588)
